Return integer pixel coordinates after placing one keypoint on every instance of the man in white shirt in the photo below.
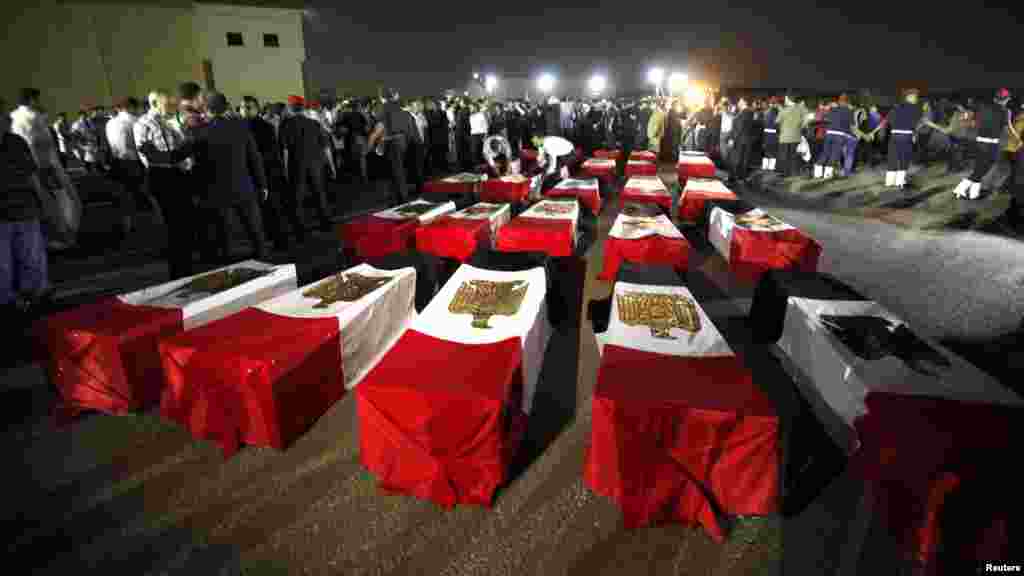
(478, 128)
(127, 169)
(157, 140)
(728, 114)
(29, 122)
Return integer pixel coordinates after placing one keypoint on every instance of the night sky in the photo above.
(424, 47)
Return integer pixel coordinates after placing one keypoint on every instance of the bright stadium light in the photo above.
(656, 76)
(546, 83)
(491, 83)
(476, 75)
(677, 82)
(695, 97)
(597, 84)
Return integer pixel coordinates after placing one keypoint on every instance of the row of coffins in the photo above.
(442, 395)
(924, 432)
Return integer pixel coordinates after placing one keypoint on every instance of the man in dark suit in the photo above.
(303, 142)
(437, 122)
(230, 168)
(280, 205)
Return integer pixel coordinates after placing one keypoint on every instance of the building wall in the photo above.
(265, 72)
(80, 53)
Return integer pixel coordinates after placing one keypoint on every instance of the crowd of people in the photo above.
(198, 160)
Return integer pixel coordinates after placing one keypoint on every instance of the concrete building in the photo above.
(82, 52)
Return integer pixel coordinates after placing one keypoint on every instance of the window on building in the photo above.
(235, 39)
(270, 41)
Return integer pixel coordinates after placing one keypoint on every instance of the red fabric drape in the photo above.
(441, 420)
(646, 169)
(644, 155)
(674, 252)
(752, 253)
(642, 197)
(442, 187)
(591, 198)
(103, 356)
(917, 451)
(374, 237)
(253, 378)
(691, 205)
(499, 191)
(456, 238)
(610, 154)
(554, 237)
(697, 437)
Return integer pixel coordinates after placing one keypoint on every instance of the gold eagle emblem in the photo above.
(749, 220)
(485, 298)
(659, 312)
(220, 281)
(415, 209)
(344, 288)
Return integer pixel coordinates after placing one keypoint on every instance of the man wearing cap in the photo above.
(229, 167)
(770, 141)
(993, 119)
(838, 121)
(903, 122)
(303, 144)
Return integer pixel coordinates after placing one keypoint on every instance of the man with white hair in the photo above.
(157, 140)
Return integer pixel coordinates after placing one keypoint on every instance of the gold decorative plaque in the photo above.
(220, 281)
(344, 288)
(640, 223)
(749, 220)
(659, 312)
(484, 210)
(417, 209)
(485, 298)
(631, 209)
(555, 207)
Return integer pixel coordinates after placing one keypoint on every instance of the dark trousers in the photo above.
(248, 212)
(833, 154)
(771, 145)
(476, 153)
(788, 159)
(396, 157)
(439, 159)
(985, 156)
(415, 157)
(741, 156)
(279, 209)
(170, 187)
(131, 176)
(901, 152)
(309, 179)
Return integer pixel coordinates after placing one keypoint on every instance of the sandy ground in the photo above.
(138, 496)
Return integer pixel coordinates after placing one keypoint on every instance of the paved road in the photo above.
(962, 288)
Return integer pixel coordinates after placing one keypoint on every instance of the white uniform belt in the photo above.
(904, 132)
(770, 131)
(984, 140)
(837, 133)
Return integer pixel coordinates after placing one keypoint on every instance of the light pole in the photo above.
(656, 76)
(491, 84)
